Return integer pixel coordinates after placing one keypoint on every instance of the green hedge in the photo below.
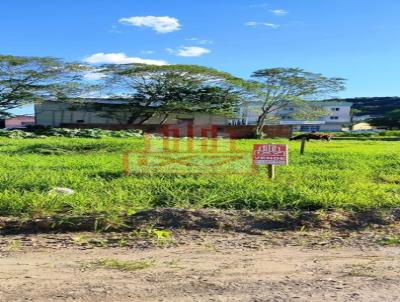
(386, 133)
(65, 132)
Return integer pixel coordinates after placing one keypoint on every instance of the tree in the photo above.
(163, 90)
(28, 79)
(390, 120)
(278, 88)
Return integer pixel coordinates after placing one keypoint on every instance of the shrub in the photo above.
(41, 132)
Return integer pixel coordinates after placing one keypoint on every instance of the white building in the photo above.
(336, 117)
(95, 113)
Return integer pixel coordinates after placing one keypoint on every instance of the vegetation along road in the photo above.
(347, 174)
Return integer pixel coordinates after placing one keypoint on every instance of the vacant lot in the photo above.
(273, 255)
(340, 174)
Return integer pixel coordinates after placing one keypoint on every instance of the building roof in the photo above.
(21, 117)
(92, 100)
(335, 103)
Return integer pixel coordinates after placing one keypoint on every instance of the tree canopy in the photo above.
(374, 106)
(278, 88)
(162, 90)
(29, 79)
(390, 120)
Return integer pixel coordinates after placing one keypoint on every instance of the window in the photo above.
(309, 128)
(334, 117)
(335, 109)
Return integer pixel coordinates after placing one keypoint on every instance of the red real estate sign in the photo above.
(270, 154)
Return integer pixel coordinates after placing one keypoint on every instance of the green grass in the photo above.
(340, 174)
(127, 266)
(393, 240)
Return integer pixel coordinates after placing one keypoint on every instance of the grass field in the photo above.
(340, 174)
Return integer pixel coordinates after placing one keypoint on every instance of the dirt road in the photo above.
(199, 266)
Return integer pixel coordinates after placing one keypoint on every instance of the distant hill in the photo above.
(374, 106)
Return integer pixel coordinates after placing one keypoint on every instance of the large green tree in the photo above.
(278, 88)
(28, 79)
(390, 120)
(164, 90)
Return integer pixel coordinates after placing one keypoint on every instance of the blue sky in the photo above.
(354, 39)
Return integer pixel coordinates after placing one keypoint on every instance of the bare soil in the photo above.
(200, 219)
(204, 265)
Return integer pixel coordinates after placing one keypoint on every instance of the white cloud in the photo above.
(258, 24)
(159, 24)
(189, 51)
(200, 41)
(147, 52)
(120, 58)
(279, 12)
(272, 25)
(251, 23)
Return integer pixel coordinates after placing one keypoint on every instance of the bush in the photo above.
(387, 133)
(355, 134)
(17, 134)
(395, 133)
(41, 132)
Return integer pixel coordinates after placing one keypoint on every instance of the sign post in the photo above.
(270, 155)
(303, 146)
(271, 171)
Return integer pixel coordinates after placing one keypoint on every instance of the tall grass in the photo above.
(340, 174)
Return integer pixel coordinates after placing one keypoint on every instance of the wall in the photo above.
(243, 131)
(19, 121)
(56, 113)
(331, 127)
(343, 114)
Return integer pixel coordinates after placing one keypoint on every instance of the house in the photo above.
(18, 121)
(93, 112)
(335, 116)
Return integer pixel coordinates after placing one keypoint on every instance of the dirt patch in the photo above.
(239, 221)
(322, 265)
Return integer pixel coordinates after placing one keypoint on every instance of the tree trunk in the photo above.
(258, 131)
(132, 119)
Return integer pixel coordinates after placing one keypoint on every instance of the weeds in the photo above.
(159, 237)
(86, 240)
(13, 246)
(341, 174)
(394, 240)
(127, 266)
